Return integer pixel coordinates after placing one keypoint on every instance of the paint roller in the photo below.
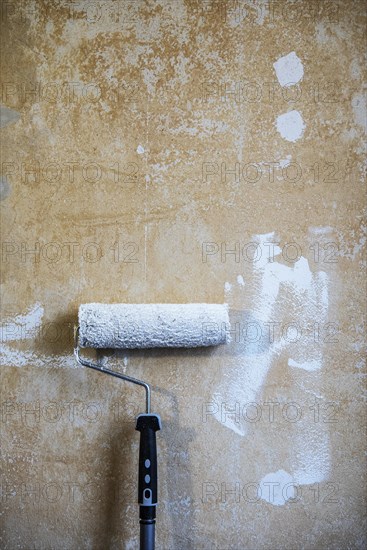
(141, 326)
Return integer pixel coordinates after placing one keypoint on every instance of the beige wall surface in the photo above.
(185, 151)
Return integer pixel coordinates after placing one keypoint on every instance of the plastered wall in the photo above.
(185, 151)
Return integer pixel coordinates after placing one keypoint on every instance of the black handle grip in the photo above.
(147, 425)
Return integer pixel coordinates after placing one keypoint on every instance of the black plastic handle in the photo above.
(147, 425)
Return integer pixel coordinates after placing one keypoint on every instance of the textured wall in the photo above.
(185, 151)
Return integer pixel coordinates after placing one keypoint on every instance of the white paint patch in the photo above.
(360, 364)
(131, 544)
(105, 106)
(276, 488)
(181, 66)
(49, 28)
(240, 140)
(305, 365)
(321, 230)
(150, 80)
(133, 54)
(227, 288)
(283, 163)
(183, 129)
(12, 357)
(240, 280)
(355, 69)
(289, 69)
(4, 188)
(290, 125)
(312, 454)
(350, 250)
(209, 127)
(140, 150)
(23, 326)
(321, 33)
(321, 289)
(204, 128)
(360, 246)
(8, 116)
(359, 104)
(26, 326)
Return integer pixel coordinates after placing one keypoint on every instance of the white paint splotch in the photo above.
(276, 488)
(290, 125)
(306, 365)
(26, 327)
(240, 280)
(289, 69)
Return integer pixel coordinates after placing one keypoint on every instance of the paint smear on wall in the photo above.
(12, 357)
(26, 327)
(289, 69)
(306, 365)
(305, 293)
(311, 447)
(23, 327)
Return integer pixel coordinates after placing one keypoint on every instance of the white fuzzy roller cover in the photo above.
(153, 325)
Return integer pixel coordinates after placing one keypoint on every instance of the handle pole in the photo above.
(147, 536)
(148, 425)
